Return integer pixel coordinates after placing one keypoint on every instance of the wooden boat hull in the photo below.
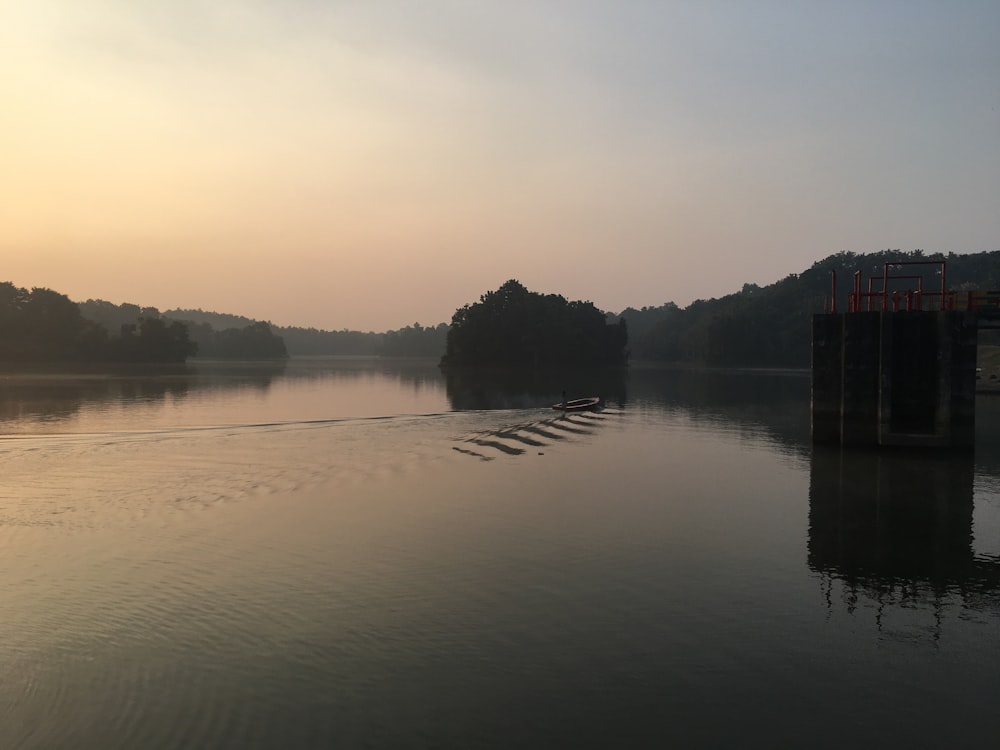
(579, 404)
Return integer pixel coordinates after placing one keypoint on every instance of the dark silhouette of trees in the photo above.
(410, 341)
(313, 341)
(148, 336)
(152, 340)
(255, 341)
(47, 327)
(513, 326)
(217, 321)
(770, 326)
(758, 326)
(415, 341)
(252, 342)
(112, 317)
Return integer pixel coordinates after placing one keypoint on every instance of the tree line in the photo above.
(252, 340)
(42, 325)
(410, 341)
(770, 326)
(758, 326)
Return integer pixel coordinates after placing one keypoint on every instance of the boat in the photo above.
(579, 404)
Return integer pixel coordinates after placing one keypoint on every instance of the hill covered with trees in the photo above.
(770, 326)
(513, 326)
(249, 342)
(410, 341)
(245, 339)
(41, 325)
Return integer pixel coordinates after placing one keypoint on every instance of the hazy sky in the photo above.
(367, 164)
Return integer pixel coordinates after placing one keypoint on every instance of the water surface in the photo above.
(357, 554)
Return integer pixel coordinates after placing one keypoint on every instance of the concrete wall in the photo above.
(859, 406)
(827, 380)
(903, 379)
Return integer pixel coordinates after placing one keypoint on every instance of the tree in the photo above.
(513, 326)
(415, 341)
(153, 340)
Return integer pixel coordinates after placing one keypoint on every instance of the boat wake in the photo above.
(520, 438)
(109, 479)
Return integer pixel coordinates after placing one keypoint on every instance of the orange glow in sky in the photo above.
(371, 165)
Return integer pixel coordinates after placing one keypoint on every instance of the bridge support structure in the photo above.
(903, 378)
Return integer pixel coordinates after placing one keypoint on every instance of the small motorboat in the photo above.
(579, 404)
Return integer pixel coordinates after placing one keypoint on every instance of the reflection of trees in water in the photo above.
(51, 397)
(60, 395)
(57, 396)
(777, 402)
(774, 401)
(223, 375)
(896, 527)
(522, 388)
(416, 373)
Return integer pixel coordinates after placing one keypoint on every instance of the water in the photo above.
(349, 553)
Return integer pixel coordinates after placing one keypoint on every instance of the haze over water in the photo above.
(331, 555)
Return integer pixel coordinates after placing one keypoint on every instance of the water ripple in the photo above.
(511, 439)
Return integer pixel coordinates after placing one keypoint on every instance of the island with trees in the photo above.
(515, 327)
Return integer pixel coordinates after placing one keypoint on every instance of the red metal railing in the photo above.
(910, 299)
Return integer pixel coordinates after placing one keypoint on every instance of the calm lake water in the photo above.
(356, 553)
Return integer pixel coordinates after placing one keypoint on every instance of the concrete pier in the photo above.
(894, 379)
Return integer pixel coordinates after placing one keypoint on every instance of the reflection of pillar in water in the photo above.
(886, 518)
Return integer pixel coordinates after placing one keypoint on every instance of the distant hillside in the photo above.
(770, 326)
(218, 321)
(44, 326)
(758, 326)
(244, 340)
(410, 341)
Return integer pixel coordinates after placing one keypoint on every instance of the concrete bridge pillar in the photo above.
(894, 378)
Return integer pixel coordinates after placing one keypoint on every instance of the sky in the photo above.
(369, 164)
